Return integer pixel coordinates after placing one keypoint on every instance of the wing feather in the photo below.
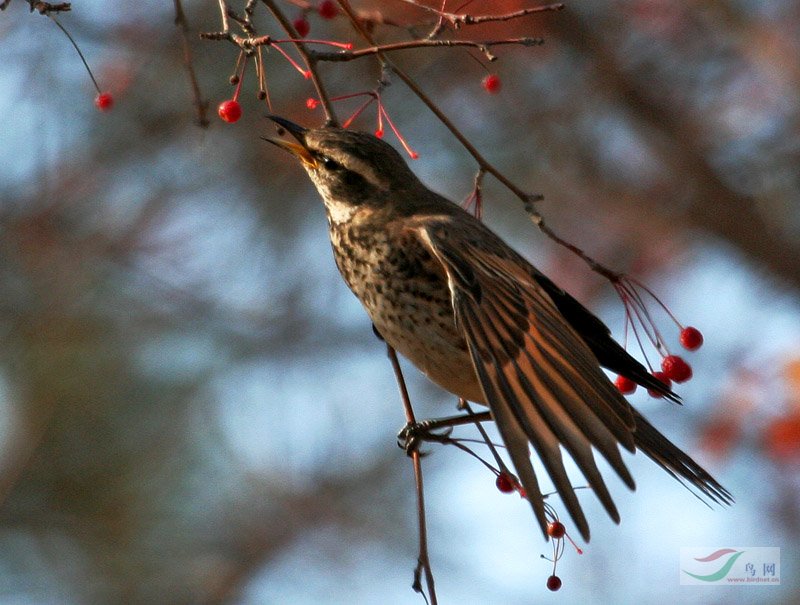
(540, 378)
(513, 417)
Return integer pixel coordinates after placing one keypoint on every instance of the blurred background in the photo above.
(193, 407)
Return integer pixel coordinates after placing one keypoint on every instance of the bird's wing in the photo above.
(542, 383)
(598, 338)
(677, 462)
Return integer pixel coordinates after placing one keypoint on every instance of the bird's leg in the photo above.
(414, 433)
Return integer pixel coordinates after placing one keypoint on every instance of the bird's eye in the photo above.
(330, 164)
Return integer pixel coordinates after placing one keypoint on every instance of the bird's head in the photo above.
(350, 169)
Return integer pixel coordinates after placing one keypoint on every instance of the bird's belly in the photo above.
(432, 344)
(405, 293)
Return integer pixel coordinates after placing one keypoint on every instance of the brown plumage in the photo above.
(482, 322)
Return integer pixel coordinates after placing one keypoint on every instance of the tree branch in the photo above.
(483, 46)
(200, 105)
(310, 61)
(459, 19)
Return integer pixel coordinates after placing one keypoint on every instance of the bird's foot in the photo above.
(412, 435)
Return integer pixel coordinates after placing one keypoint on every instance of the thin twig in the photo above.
(387, 63)
(594, 265)
(311, 63)
(350, 55)
(200, 105)
(440, 22)
(423, 560)
(528, 199)
(464, 404)
(223, 9)
(459, 19)
(77, 48)
(43, 8)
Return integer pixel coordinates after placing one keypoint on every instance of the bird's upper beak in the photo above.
(298, 149)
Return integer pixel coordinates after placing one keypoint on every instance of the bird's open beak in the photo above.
(298, 149)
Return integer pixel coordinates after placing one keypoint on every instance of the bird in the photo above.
(448, 294)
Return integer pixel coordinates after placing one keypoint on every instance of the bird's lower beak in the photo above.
(298, 149)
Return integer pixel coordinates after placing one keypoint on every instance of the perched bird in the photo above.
(480, 321)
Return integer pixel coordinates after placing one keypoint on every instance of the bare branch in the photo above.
(387, 64)
(350, 55)
(200, 105)
(459, 19)
(223, 9)
(311, 62)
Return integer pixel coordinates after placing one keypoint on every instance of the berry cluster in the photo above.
(373, 96)
(508, 483)
(230, 110)
(326, 9)
(673, 367)
(637, 317)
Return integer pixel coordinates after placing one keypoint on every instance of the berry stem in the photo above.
(262, 78)
(241, 79)
(463, 403)
(380, 121)
(353, 95)
(80, 54)
(414, 155)
(357, 112)
(658, 300)
(306, 74)
(235, 76)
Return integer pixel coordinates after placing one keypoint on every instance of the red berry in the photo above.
(302, 26)
(625, 385)
(491, 83)
(676, 368)
(104, 101)
(556, 529)
(505, 483)
(311, 103)
(663, 378)
(553, 583)
(327, 9)
(230, 111)
(691, 338)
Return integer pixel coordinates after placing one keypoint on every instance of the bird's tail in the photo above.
(677, 462)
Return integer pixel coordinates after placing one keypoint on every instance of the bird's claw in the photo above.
(413, 434)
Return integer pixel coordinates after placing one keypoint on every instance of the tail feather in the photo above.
(677, 462)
